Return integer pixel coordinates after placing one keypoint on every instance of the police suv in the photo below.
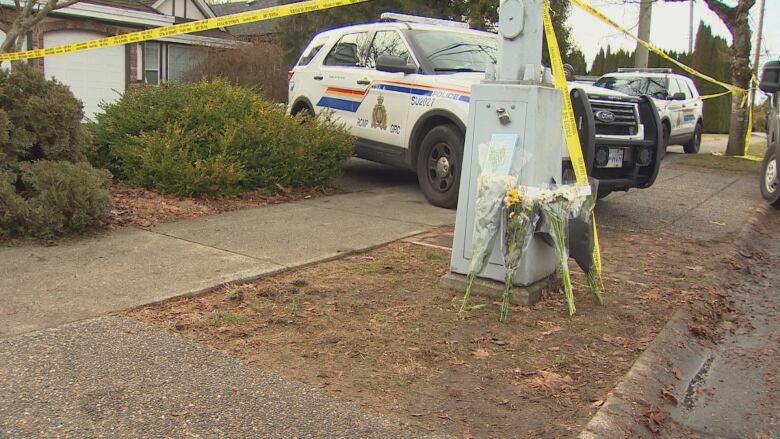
(675, 96)
(402, 86)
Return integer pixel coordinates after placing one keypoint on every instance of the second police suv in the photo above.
(402, 86)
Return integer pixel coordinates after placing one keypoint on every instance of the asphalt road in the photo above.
(685, 201)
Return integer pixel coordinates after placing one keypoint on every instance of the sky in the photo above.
(669, 26)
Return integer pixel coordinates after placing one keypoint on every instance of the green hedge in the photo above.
(47, 188)
(215, 138)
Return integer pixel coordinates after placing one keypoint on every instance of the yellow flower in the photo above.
(512, 198)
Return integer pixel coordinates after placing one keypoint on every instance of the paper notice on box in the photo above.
(500, 153)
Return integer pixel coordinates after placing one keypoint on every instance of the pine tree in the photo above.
(711, 57)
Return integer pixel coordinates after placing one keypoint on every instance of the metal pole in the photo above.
(690, 30)
(641, 54)
(757, 55)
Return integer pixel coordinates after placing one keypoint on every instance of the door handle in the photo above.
(364, 82)
(318, 78)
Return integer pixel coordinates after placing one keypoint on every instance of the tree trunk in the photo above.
(10, 43)
(740, 76)
(737, 126)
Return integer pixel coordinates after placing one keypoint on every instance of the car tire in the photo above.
(304, 111)
(439, 163)
(666, 133)
(770, 180)
(693, 145)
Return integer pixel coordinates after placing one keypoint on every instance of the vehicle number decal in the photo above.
(395, 129)
(362, 123)
(422, 101)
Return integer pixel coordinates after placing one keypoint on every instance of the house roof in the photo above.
(251, 29)
(134, 5)
(213, 33)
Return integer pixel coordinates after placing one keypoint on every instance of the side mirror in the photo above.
(394, 64)
(568, 70)
(679, 96)
(770, 78)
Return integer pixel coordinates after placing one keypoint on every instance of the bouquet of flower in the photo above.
(491, 190)
(520, 218)
(557, 205)
(586, 217)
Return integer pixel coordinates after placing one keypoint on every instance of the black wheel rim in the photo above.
(441, 167)
(771, 181)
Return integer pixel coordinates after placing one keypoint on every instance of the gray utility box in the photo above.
(534, 111)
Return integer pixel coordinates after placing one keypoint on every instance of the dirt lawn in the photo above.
(377, 329)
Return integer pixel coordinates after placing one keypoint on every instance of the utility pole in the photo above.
(757, 55)
(645, 14)
(690, 30)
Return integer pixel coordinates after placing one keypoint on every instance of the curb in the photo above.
(651, 372)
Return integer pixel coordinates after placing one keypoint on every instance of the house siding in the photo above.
(58, 24)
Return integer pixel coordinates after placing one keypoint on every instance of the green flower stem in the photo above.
(559, 237)
(464, 305)
(507, 296)
(595, 287)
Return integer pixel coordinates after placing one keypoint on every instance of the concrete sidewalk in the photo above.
(43, 287)
(115, 377)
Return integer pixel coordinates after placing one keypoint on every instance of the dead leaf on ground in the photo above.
(548, 382)
(330, 374)
(481, 353)
(667, 394)
(654, 418)
(676, 372)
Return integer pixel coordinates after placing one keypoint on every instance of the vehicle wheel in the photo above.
(692, 147)
(667, 132)
(439, 162)
(304, 111)
(770, 181)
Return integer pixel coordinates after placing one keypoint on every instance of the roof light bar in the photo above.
(404, 18)
(645, 70)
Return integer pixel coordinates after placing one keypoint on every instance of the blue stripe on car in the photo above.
(339, 104)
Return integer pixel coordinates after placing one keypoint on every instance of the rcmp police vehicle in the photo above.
(403, 88)
(675, 96)
(770, 177)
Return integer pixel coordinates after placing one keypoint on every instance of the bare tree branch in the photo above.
(725, 13)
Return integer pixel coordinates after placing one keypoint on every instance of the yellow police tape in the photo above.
(592, 11)
(716, 95)
(749, 133)
(569, 122)
(184, 28)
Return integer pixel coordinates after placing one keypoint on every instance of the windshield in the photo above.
(629, 86)
(449, 51)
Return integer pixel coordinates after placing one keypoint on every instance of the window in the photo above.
(387, 43)
(347, 51)
(182, 60)
(311, 51)
(688, 88)
(152, 63)
(656, 87)
(627, 85)
(451, 51)
(674, 88)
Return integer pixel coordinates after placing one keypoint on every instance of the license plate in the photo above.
(615, 158)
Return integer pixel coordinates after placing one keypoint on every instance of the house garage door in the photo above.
(94, 76)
